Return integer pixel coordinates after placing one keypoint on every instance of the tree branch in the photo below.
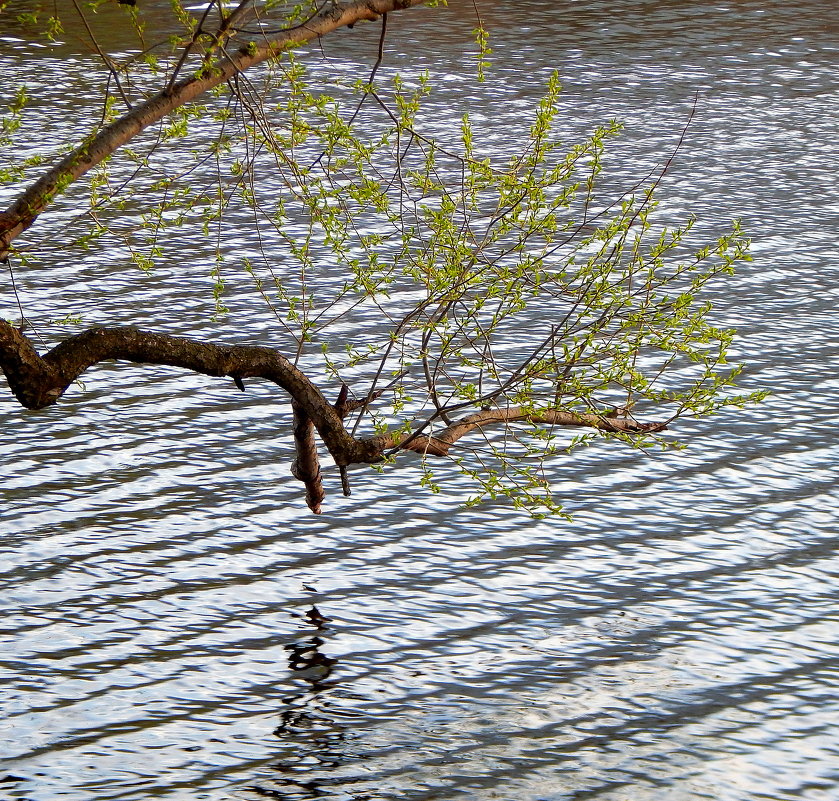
(439, 444)
(98, 146)
(39, 381)
(306, 467)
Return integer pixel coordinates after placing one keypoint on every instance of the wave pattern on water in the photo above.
(176, 625)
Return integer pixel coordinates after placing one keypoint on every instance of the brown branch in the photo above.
(39, 381)
(439, 444)
(306, 467)
(101, 144)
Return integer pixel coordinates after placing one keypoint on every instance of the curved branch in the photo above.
(38, 381)
(98, 146)
(440, 444)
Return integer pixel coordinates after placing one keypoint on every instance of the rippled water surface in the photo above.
(176, 625)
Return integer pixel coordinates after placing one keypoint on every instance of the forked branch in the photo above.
(39, 381)
(101, 144)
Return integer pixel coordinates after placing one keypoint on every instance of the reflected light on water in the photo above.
(176, 625)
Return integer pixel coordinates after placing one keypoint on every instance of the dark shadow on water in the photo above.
(312, 738)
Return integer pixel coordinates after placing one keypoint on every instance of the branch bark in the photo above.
(306, 467)
(440, 444)
(39, 381)
(99, 145)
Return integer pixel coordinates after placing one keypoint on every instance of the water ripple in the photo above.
(176, 625)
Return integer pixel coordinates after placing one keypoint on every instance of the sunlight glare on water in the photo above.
(176, 625)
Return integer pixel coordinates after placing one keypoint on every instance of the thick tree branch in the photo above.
(98, 146)
(39, 381)
(306, 466)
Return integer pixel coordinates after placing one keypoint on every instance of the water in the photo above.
(165, 590)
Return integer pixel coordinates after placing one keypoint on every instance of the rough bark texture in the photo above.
(335, 14)
(306, 467)
(39, 381)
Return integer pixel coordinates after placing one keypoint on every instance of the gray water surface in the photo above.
(177, 625)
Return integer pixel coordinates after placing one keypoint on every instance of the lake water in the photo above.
(177, 625)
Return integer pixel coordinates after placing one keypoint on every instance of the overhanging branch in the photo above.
(439, 444)
(39, 381)
(101, 144)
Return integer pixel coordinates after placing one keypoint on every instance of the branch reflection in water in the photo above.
(306, 727)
